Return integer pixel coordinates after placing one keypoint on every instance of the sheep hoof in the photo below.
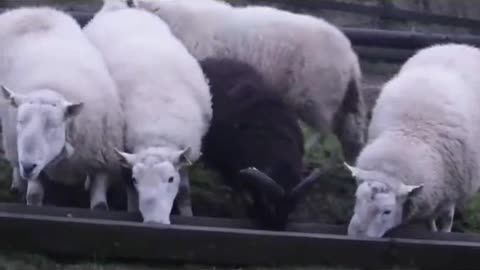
(186, 211)
(101, 206)
(35, 199)
(433, 226)
(15, 191)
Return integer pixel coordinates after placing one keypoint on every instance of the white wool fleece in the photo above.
(308, 60)
(425, 128)
(46, 48)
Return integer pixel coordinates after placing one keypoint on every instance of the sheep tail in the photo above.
(350, 121)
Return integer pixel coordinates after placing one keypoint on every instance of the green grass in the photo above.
(5, 176)
(35, 262)
(471, 219)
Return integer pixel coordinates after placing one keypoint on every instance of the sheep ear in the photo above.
(69, 150)
(406, 191)
(183, 159)
(127, 160)
(14, 99)
(73, 109)
(353, 170)
(262, 181)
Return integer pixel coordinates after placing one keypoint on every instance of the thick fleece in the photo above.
(44, 48)
(425, 130)
(307, 60)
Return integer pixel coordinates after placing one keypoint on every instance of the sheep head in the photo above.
(156, 177)
(379, 202)
(275, 204)
(41, 125)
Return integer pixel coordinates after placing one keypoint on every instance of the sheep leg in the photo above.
(132, 194)
(98, 192)
(35, 193)
(132, 200)
(433, 225)
(241, 201)
(446, 218)
(183, 200)
(237, 200)
(18, 186)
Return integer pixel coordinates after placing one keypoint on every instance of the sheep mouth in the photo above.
(274, 205)
(30, 176)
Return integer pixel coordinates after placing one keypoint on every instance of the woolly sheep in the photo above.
(308, 61)
(58, 89)
(254, 141)
(166, 100)
(421, 159)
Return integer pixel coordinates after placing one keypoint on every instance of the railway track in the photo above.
(84, 234)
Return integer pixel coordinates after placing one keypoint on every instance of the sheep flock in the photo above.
(148, 88)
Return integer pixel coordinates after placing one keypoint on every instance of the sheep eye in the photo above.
(387, 212)
(134, 180)
(170, 180)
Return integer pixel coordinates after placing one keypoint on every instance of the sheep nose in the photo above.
(28, 168)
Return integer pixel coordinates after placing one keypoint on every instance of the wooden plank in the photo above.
(68, 212)
(388, 11)
(403, 39)
(384, 12)
(377, 38)
(414, 231)
(14, 208)
(84, 238)
(386, 55)
(373, 37)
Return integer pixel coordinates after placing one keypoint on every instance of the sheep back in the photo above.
(163, 91)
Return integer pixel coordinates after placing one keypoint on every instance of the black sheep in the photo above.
(252, 127)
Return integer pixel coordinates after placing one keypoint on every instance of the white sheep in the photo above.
(309, 61)
(63, 115)
(422, 155)
(166, 100)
